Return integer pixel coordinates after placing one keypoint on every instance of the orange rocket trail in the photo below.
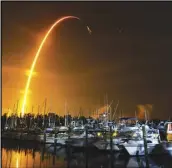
(36, 57)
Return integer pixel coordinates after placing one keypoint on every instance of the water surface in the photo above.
(23, 154)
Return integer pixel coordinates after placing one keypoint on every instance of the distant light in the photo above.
(89, 30)
(115, 134)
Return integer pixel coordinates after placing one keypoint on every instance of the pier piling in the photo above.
(111, 146)
(86, 130)
(45, 136)
(145, 146)
(86, 147)
(55, 142)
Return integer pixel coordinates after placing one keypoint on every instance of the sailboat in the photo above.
(65, 127)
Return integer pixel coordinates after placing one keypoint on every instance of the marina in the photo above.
(86, 85)
(78, 141)
(127, 136)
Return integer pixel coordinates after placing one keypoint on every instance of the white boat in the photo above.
(135, 146)
(61, 138)
(79, 128)
(63, 129)
(128, 124)
(80, 140)
(49, 138)
(128, 128)
(119, 138)
(106, 146)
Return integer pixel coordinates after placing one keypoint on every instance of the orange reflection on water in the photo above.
(17, 163)
(28, 158)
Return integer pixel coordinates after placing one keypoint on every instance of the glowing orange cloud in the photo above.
(141, 109)
(37, 55)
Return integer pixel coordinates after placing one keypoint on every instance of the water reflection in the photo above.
(17, 154)
(27, 158)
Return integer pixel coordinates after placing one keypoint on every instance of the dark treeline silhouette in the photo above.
(30, 121)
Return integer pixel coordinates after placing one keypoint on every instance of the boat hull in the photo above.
(138, 150)
(81, 142)
(105, 146)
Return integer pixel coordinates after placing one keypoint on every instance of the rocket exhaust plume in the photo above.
(37, 55)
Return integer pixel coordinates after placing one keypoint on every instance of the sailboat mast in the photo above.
(14, 108)
(65, 113)
(38, 109)
(135, 114)
(17, 107)
(115, 109)
(107, 108)
(32, 109)
(145, 115)
(45, 106)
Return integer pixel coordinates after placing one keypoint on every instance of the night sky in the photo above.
(128, 55)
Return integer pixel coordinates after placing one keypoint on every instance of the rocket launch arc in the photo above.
(37, 55)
